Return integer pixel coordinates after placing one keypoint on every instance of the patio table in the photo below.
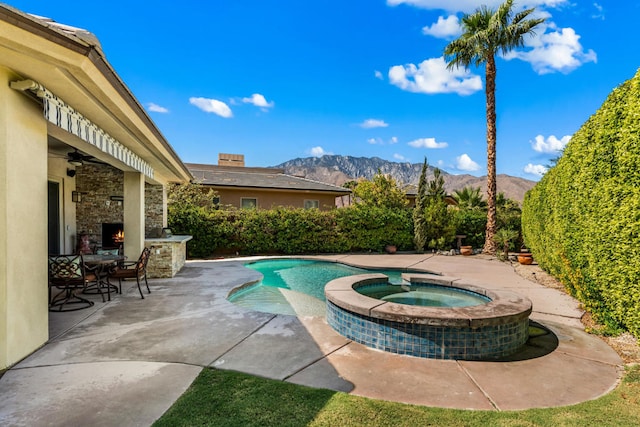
(99, 264)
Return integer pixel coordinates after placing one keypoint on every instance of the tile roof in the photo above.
(267, 178)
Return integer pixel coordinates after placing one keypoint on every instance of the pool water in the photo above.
(423, 295)
(295, 286)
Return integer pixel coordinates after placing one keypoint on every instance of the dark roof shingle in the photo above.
(228, 176)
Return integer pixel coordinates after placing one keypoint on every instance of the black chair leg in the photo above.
(146, 283)
(139, 288)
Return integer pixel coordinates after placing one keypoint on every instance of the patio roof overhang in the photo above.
(74, 70)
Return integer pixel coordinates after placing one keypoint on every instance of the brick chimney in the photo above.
(231, 160)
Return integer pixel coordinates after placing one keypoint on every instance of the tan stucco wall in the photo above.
(269, 199)
(133, 214)
(23, 224)
(57, 172)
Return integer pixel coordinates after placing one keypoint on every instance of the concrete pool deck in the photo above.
(125, 362)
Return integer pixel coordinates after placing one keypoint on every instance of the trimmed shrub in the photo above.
(582, 220)
(292, 231)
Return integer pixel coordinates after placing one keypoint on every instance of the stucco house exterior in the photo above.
(76, 150)
(263, 188)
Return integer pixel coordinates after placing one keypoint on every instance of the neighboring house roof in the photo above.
(412, 191)
(69, 61)
(262, 178)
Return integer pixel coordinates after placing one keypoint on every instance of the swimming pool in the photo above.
(493, 326)
(296, 286)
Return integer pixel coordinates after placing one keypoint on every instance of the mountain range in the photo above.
(337, 170)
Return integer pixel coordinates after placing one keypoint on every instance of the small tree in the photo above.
(419, 220)
(503, 238)
(434, 226)
(192, 195)
(383, 192)
(470, 198)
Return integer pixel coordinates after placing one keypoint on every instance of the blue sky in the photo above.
(280, 79)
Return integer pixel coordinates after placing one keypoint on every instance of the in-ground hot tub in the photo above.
(495, 328)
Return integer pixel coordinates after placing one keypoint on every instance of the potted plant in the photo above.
(390, 249)
(525, 257)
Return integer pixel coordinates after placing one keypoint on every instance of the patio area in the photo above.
(125, 362)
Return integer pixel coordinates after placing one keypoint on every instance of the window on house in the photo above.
(310, 204)
(248, 203)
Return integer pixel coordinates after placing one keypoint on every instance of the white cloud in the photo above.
(375, 141)
(373, 123)
(209, 105)
(259, 101)
(538, 170)
(427, 143)
(378, 75)
(156, 108)
(432, 76)
(600, 11)
(556, 50)
(465, 163)
(468, 6)
(400, 157)
(445, 28)
(318, 152)
(393, 140)
(551, 144)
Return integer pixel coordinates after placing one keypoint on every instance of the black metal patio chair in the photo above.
(68, 274)
(131, 270)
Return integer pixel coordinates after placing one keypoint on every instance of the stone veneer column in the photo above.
(133, 214)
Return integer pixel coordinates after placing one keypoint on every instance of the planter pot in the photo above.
(525, 258)
(466, 250)
(390, 249)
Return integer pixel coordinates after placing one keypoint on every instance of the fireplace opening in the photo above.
(112, 235)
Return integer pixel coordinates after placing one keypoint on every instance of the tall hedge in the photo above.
(582, 220)
(291, 231)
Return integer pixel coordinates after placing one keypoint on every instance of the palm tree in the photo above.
(486, 32)
(469, 198)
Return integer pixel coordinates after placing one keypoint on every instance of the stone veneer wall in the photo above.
(154, 220)
(167, 258)
(98, 183)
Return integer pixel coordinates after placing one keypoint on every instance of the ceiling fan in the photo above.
(78, 159)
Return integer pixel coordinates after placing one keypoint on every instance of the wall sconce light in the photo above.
(76, 196)
(71, 173)
(117, 199)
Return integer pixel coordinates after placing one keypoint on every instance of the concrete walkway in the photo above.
(127, 361)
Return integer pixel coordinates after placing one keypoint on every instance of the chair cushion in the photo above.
(123, 273)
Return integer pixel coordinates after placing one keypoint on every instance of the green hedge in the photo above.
(582, 220)
(292, 231)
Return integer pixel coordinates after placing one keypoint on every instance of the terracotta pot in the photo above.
(525, 258)
(390, 249)
(466, 250)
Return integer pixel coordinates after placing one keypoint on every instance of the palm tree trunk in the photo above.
(490, 91)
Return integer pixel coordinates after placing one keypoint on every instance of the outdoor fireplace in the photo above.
(112, 235)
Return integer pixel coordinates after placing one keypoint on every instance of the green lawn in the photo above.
(224, 398)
